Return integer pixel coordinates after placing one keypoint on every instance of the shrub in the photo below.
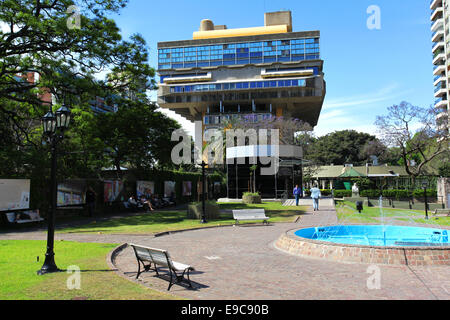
(325, 192)
(370, 193)
(342, 193)
(419, 193)
(250, 198)
(398, 194)
(251, 194)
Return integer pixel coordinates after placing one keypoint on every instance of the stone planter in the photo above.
(251, 199)
(194, 211)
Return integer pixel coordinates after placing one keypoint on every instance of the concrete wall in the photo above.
(278, 18)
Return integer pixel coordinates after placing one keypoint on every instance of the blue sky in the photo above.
(366, 70)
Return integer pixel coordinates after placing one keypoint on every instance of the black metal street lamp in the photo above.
(203, 193)
(425, 185)
(54, 126)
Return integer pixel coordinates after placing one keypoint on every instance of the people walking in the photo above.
(315, 195)
(297, 193)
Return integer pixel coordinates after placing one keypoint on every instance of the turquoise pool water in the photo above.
(385, 236)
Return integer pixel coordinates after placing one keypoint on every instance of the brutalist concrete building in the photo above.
(256, 73)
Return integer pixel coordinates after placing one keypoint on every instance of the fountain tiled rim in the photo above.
(351, 253)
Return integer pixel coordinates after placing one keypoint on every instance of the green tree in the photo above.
(414, 131)
(42, 53)
(136, 136)
(339, 148)
(444, 170)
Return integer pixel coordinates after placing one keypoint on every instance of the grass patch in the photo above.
(162, 221)
(387, 212)
(441, 221)
(346, 212)
(19, 281)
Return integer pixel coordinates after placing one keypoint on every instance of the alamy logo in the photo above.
(374, 20)
(374, 281)
(74, 281)
(74, 21)
(240, 144)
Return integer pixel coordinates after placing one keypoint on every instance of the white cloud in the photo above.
(387, 93)
(352, 112)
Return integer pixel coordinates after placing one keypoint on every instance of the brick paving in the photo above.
(241, 263)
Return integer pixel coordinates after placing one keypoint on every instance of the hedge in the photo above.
(324, 192)
(399, 194)
(342, 193)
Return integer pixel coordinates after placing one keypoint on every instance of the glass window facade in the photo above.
(239, 53)
(254, 118)
(239, 85)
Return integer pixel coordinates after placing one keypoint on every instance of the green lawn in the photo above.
(19, 281)
(346, 212)
(161, 221)
(18, 259)
(440, 221)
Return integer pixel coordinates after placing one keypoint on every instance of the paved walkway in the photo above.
(241, 263)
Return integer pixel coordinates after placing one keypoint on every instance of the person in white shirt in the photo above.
(315, 195)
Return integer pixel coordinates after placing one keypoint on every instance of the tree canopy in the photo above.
(339, 148)
(415, 133)
(71, 51)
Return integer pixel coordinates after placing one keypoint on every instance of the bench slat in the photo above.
(250, 214)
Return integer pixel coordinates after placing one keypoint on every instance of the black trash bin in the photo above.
(359, 206)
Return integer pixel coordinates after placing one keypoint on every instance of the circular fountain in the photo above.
(374, 244)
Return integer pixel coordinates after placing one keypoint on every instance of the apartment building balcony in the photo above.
(439, 78)
(439, 70)
(437, 24)
(438, 45)
(435, 4)
(440, 90)
(441, 103)
(438, 35)
(437, 13)
(439, 57)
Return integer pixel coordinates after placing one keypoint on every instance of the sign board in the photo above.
(71, 193)
(145, 188)
(14, 194)
(169, 188)
(113, 191)
(187, 188)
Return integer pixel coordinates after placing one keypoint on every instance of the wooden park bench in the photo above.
(250, 214)
(158, 257)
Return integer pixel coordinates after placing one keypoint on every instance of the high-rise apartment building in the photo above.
(256, 73)
(440, 27)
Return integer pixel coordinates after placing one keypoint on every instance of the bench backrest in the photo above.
(249, 212)
(157, 256)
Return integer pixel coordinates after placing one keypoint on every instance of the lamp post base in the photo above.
(49, 266)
